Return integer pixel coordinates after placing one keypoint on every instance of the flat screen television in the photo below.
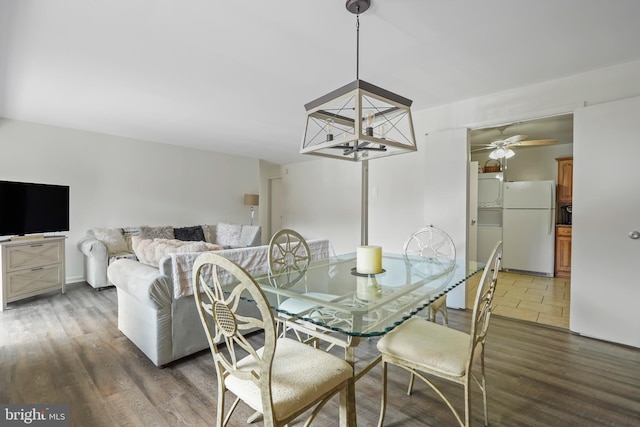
(27, 208)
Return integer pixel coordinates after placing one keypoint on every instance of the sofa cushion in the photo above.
(165, 232)
(228, 235)
(189, 233)
(151, 251)
(112, 239)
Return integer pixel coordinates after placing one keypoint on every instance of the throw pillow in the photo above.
(194, 233)
(112, 238)
(165, 232)
(209, 233)
(228, 234)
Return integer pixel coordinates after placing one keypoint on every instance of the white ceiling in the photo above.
(233, 76)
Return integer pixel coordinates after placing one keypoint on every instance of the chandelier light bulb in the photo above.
(369, 130)
(329, 130)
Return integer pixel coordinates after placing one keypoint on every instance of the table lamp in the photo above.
(251, 200)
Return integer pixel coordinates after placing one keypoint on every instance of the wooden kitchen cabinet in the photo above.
(563, 251)
(565, 180)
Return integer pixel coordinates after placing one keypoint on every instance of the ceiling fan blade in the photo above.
(539, 142)
(514, 139)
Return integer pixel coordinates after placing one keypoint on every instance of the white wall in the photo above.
(323, 201)
(119, 182)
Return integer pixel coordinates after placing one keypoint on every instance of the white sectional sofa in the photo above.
(102, 246)
(156, 308)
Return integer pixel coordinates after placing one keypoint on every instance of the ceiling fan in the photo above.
(502, 147)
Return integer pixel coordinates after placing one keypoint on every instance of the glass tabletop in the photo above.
(331, 294)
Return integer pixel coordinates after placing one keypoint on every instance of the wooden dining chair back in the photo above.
(278, 377)
(426, 349)
(436, 249)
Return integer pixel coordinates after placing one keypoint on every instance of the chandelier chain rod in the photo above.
(358, 43)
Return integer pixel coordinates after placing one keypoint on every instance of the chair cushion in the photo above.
(300, 373)
(422, 343)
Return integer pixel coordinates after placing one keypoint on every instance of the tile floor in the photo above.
(533, 298)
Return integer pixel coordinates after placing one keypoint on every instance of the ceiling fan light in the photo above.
(509, 153)
(498, 153)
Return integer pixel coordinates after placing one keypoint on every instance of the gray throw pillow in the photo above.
(165, 232)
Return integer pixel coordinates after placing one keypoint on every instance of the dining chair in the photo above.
(281, 379)
(433, 244)
(288, 259)
(427, 349)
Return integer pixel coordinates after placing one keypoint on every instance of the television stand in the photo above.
(27, 237)
(31, 267)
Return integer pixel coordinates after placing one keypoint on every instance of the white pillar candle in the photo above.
(369, 259)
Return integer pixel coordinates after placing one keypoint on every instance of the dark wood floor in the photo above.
(67, 349)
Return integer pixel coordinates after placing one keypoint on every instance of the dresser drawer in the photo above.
(27, 256)
(34, 281)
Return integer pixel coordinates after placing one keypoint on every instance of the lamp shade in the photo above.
(251, 199)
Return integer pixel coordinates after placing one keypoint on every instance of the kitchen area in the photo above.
(525, 200)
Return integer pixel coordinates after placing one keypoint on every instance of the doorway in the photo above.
(530, 297)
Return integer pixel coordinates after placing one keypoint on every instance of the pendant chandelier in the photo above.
(358, 121)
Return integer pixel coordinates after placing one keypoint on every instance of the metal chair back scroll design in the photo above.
(288, 257)
(431, 251)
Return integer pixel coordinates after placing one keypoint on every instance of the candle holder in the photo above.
(367, 288)
(354, 271)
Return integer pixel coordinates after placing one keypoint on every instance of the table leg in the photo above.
(348, 414)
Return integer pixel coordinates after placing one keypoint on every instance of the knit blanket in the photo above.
(151, 251)
(254, 259)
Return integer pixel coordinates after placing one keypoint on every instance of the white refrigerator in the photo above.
(528, 226)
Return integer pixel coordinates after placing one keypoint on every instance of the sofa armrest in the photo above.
(142, 282)
(95, 261)
(92, 247)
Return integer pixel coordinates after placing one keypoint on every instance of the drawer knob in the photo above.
(634, 235)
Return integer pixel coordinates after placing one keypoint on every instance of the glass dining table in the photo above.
(328, 301)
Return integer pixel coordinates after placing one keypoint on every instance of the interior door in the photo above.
(445, 193)
(275, 206)
(605, 289)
